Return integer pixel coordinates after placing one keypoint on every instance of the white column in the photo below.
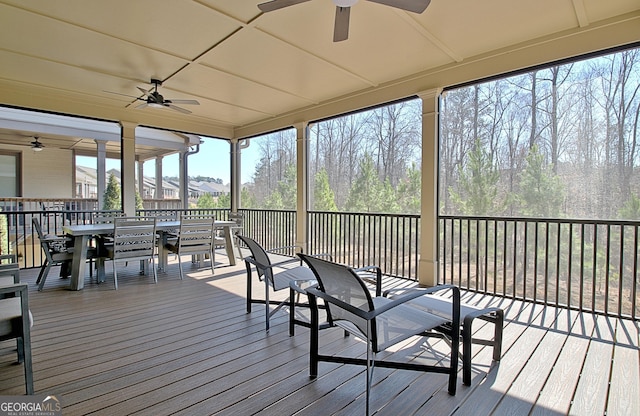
(235, 185)
(159, 190)
(101, 171)
(302, 199)
(184, 178)
(128, 167)
(428, 264)
(140, 178)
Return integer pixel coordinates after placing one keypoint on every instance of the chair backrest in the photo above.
(164, 216)
(196, 234)
(238, 218)
(134, 238)
(258, 253)
(343, 284)
(46, 247)
(107, 217)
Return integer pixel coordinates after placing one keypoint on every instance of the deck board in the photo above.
(188, 347)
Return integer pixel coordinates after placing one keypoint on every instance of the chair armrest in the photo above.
(378, 281)
(253, 261)
(14, 288)
(275, 250)
(369, 315)
(10, 270)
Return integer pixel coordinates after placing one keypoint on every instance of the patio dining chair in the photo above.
(58, 252)
(134, 238)
(378, 321)
(15, 318)
(276, 276)
(238, 218)
(196, 237)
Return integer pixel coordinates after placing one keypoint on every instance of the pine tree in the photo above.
(247, 198)
(139, 204)
(631, 209)
(478, 181)
(409, 191)
(287, 188)
(324, 198)
(366, 193)
(541, 192)
(112, 195)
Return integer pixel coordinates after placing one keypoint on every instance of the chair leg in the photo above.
(370, 367)
(42, 268)
(313, 340)
(466, 354)
(115, 274)
(24, 350)
(266, 303)
(249, 289)
(65, 269)
(180, 266)
(153, 266)
(20, 349)
(292, 314)
(44, 273)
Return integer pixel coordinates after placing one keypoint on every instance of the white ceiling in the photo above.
(255, 72)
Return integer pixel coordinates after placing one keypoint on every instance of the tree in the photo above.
(324, 198)
(410, 191)
(478, 184)
(247, 198)
(224, 201)
(541, 192)
(206, 201)
(366, 192)
(112, 199)
(4, 235)
(631, 209)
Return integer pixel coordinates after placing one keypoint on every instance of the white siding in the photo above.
(47, 174)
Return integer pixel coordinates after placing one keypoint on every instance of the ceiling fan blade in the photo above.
(191, 102)
(415, 6)
(145, 92)
(175, 107)
(341, 27)
(125, 95)
(143, 105)
(278, 4)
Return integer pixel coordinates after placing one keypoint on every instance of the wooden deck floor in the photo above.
(188, 348)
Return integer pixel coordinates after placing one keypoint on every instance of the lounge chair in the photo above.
(379, 321)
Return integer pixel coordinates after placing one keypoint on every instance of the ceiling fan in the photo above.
(36, 146)
(152, 98)
(343, 8)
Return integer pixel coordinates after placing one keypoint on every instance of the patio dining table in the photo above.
(82, 233)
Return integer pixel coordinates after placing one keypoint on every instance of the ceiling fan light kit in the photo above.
(343, 7)
(36, 146)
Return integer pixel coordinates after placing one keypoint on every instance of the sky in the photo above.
(213, 160)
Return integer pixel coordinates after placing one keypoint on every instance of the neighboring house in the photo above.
(86, 185)
(197, 189)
